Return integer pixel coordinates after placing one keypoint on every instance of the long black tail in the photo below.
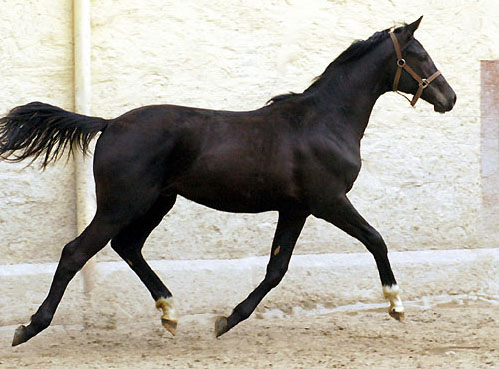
(38, 129)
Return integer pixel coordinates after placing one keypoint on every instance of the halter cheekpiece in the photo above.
(401, 64)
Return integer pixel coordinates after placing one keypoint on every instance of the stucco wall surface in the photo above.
(420, 183)
(37, 208)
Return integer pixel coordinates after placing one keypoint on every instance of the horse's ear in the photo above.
(407, 32)
(411, 28)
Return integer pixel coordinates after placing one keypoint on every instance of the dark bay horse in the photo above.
(299, 155)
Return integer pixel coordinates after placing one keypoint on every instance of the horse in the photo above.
(298, 155)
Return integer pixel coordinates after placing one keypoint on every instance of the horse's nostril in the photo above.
(455, 98)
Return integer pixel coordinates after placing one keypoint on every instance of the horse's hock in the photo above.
(430, 192)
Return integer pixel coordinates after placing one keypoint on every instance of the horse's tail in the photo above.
(38, 129)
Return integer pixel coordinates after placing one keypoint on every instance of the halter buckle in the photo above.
(400, 63)
(424, 83)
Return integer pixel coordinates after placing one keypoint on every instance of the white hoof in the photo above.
(169, 318)
(396, 309)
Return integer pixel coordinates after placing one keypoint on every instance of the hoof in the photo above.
(20, 336)
(220, 326)
(397, 315)
(169, 317)
(170, 325)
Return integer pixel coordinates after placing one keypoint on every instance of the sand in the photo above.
(452, 335)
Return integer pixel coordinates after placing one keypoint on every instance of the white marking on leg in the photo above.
(167, 305)
(169, 317)
(391, 293)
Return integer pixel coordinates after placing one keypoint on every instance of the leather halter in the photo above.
(401, 64)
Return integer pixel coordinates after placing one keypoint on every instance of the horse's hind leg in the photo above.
(288, 229)
(342, 214)
(74, 256)
(128, 244)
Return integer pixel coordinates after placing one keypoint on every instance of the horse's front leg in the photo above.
(342, 214)
(288, 229)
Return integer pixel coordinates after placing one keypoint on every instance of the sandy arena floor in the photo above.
(446, 336)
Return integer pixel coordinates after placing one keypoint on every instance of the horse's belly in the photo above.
(237, 198)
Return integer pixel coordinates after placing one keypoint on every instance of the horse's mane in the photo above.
(354, 52)
(361, 47)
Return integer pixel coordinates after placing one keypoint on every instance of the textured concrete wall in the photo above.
(420, 182)
(37, 208)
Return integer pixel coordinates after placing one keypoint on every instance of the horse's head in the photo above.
(414, 72)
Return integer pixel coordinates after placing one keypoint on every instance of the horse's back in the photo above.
(232, 161)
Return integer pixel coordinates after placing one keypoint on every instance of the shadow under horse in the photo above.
(298, 155)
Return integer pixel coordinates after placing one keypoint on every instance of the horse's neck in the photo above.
(353, 89)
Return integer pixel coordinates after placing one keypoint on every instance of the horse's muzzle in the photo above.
(445, 107)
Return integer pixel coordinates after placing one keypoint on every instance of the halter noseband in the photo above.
(401, 64)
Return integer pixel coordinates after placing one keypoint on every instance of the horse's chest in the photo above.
(337, 166)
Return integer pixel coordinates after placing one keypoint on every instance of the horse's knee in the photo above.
(374, 242)
(70, 249)
(69, 256)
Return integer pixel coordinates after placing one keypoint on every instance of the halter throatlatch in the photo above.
(401, 64)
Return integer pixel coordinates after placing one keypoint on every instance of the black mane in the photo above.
(361, 47)
(354, 52)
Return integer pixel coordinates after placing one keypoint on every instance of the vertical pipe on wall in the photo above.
(85, 192)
